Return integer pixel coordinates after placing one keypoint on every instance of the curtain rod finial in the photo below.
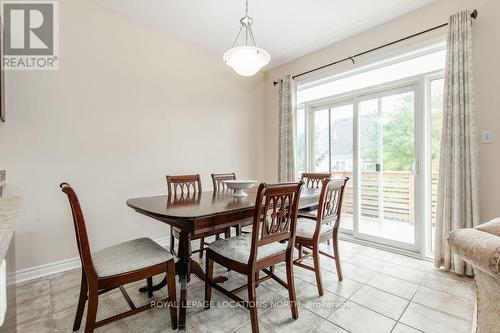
(275, 82)
(474, 14)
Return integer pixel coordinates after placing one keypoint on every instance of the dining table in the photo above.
(202, 213)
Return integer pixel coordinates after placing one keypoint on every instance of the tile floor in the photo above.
(381, 292)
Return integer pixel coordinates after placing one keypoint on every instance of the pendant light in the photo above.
(246, 59)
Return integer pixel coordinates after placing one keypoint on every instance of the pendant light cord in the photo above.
(248, 30)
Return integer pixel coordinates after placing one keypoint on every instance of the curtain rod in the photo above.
(351, 58)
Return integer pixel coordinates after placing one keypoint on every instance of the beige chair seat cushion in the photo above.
(238, 248)
(129, 256)
(306, 228)
(308, 213)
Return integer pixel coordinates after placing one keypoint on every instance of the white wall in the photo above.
(486, 47)
(128, 106)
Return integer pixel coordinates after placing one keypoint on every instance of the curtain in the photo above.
(286, 140)
(458, 197)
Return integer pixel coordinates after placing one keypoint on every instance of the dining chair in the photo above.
(219, 186)
(271, 242)
(313, 180)
(115, 266)
(219, 178)
(188, 185)
(311, 231)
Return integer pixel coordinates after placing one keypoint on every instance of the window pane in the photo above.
(387, 153)
(342, 156)
(415, 66)
(321, 162)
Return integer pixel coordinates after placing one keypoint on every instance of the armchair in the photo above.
(480, 247)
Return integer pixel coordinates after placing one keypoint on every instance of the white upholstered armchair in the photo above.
(480, 247)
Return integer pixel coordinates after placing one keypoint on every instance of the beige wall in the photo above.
(131, 104)
(486, 43)
(128, 106)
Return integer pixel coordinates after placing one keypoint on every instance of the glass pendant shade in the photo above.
(246, 60)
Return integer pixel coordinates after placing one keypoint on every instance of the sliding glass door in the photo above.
(380, 125)
(372, 140)
(332, 149)
(386, 172)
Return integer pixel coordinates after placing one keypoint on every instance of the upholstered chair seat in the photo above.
(270, 243)
(306, 228)
(480, 247)
(238, 248)
(324, 226)
(308, 213)
(114, 267)
(129, 256)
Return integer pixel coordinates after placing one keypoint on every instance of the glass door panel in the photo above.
(341, 129)
(321, 141)
(387, 156)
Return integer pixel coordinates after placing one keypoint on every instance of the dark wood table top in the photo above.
(204, 204)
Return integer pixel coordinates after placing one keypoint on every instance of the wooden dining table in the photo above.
(198, 214)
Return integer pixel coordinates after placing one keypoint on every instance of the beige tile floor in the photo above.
(381, 292)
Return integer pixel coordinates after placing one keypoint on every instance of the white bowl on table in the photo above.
(239, 186)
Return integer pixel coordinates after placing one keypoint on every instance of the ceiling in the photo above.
(287, 29)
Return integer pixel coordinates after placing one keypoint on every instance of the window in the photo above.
(363, 78)
(372, 124)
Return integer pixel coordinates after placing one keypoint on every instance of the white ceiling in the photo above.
(287, 29)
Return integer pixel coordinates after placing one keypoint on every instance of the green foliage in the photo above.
(397, 122)
(398, 131)
(399, 136)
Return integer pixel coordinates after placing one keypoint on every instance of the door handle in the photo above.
(377, 167)
(414, 168)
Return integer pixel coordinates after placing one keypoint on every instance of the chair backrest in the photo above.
(183, 199)
(330, 202)
(80, 230)
(314, 179)
(184, 184)
(219, 178)
(275, 217)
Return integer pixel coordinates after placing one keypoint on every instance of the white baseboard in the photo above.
(36, 272)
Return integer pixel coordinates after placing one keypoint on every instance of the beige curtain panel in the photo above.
(458, 194)
(286, 140)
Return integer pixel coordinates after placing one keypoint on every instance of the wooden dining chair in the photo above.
(219, 178)
(271, 242)
(311, 231)
(188, 185)
(314, 179)
(115, 266)
(219, 186)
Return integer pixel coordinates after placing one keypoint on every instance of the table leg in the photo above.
(194, 268)
(183, 269)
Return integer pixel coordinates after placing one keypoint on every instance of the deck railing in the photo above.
(398, 195)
